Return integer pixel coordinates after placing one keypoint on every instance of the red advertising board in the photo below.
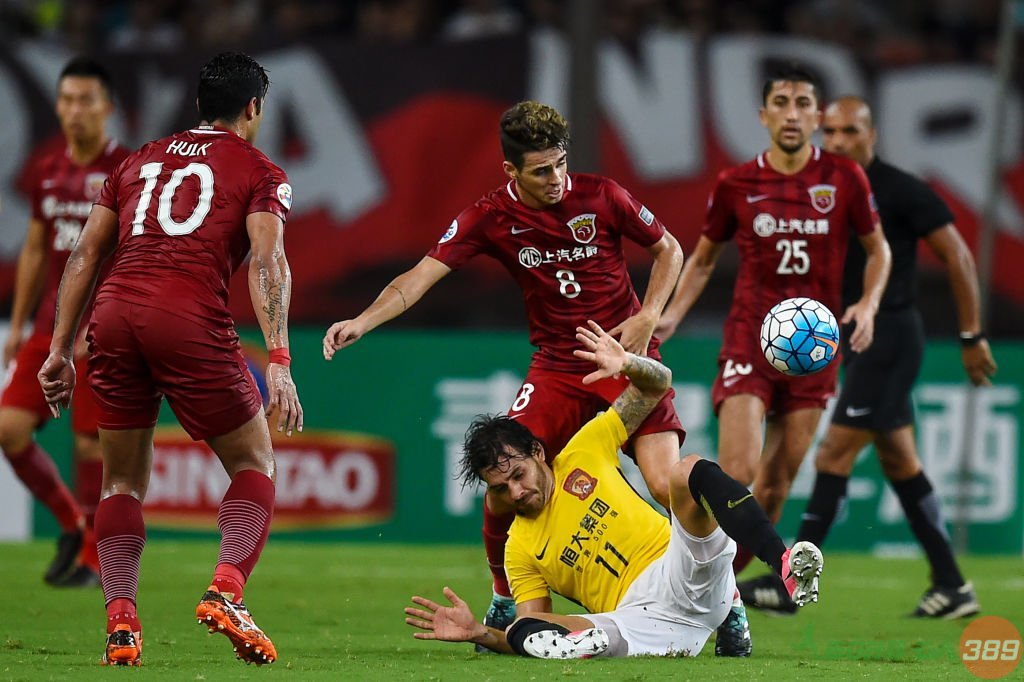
(325, 479)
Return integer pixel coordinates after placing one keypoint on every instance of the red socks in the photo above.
(495, 532)
(120, 538)
(244, 520)
(37, 471)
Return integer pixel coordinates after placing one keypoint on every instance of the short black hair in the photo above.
(486, 441)
(86, 67)
(531, 127)
(227, 83)
(789, 72)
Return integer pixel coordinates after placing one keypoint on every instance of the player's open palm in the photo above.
(57, 379)
(600, 348)
(283, 398)
(454, 623)
(341, 335)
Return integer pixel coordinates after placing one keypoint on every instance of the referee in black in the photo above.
(874, 405)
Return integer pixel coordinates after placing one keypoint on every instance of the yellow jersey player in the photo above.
(651, 585)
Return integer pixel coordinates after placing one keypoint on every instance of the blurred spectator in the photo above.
(147, 29)
(481, 18)
(395, 21)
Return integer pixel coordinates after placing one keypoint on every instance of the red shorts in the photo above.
(22, 389)
(140, 354)
(779, 392)
(555, 405)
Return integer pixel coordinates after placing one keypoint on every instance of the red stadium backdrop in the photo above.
(384, 146)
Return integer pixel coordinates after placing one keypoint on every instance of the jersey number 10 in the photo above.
(150, 172)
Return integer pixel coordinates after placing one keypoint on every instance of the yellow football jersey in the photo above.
(595, 535)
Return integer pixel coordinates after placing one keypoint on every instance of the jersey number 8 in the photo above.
(150, 172)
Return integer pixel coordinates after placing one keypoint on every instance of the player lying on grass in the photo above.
(651, 585)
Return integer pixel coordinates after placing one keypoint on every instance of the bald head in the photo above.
(848, 130)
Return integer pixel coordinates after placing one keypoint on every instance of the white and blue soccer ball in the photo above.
(799, 336)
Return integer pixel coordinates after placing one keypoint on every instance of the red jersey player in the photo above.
(62, 186)
(790, 211)
(176, 219)
(560, 237)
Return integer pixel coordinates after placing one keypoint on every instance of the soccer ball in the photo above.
(799, 336)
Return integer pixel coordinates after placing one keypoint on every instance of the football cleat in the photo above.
(553, 644)
(80, 576)
(767, 593)
(124, 647)
(801, 566)
(948, 603)
(68, 546)
(733, 638)
(235, 622)
(500, 614)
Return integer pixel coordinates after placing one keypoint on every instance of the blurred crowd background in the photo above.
(881, 33)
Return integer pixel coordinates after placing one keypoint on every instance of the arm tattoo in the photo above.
(405, 306)
(649, 381)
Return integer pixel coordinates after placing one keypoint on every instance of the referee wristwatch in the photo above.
(968, 339)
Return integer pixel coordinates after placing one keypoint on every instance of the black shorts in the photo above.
(877, 384)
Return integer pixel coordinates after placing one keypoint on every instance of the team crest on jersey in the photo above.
(284, 195)
(823, 197)
(93, 185)
(452, 231)
(580, 483)
(583, 227)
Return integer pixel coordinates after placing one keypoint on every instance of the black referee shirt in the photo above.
(910, 210)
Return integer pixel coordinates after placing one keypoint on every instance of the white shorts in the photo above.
(680, 599)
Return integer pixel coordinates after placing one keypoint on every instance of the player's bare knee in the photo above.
(742, 469)
(14, 441)
(830, 459)
(897, 466)
(772, 495)
(658, 485)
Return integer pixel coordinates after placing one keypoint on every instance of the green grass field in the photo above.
(335, 612)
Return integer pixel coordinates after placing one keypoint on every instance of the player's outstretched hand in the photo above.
(600, 348)
(284, 398)
(341, 335)
(634, 333)
(454, 623)
(862, 314)
(979, 363)
(57, 379)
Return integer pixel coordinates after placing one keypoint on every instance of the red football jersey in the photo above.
(181, 203)
(566, 258)
(61, 193)
(792, 232)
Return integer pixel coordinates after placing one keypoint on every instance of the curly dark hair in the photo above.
(227, 83)
(531, 127)
(487, 440)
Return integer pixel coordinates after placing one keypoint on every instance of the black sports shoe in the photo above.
(948, 603)
(733, 638)
(767, 593)
(68, 546)
(80, 576)
(500, 614)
